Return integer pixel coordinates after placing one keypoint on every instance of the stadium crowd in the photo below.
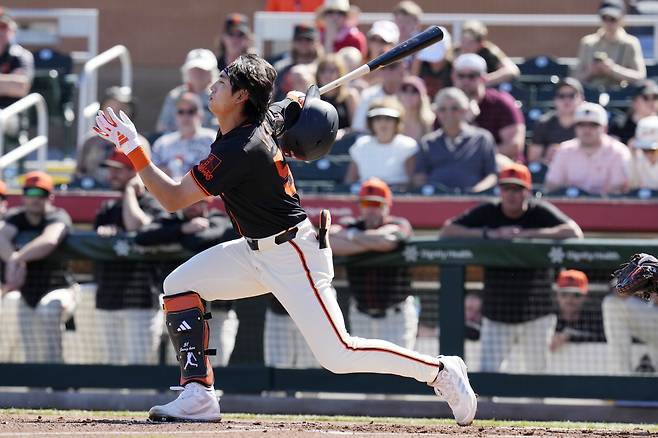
(447, 120)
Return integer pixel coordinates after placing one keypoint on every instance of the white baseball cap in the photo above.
(336, 5)
(470, 61)
(200, 58)
(386, 30)
(646, 133)
(437, 51)
(591, 112)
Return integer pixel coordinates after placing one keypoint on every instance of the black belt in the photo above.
(278, 239)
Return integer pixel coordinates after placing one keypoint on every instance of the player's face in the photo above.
(373, 213)
(222, 99)
(570, 302)
(35, 205)
(118, 177)
(513, 198)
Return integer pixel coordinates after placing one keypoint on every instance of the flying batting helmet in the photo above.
(314, 131)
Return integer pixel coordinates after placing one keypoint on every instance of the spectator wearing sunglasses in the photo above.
(644, 104)
(178, 151)
(458, 156)
(644, 163)
(610, 56)
(593, 161)
(382, 304)
(558, 125)
(418, 116)
(235, 40)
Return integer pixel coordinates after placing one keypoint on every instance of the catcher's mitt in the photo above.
(638, 277)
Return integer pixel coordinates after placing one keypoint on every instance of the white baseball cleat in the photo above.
(452, 385)
(195, 403)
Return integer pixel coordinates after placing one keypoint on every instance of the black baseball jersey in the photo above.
(247, 169)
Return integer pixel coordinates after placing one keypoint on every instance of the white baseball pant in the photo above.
(299, 274)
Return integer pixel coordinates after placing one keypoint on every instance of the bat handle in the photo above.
(354, 74)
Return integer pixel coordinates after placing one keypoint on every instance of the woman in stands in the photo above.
(343, 98)
(234, 41)
(418, 117)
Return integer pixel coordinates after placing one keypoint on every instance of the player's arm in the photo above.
(7, 233)
(45, 243)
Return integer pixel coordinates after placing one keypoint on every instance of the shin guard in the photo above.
(188, 329)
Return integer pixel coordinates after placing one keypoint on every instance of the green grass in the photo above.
(347, 419)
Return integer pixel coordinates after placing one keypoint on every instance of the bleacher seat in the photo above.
(519, 91)
(540, 69)
(652, 71)
(322, 174)
(531, 116)
(538, 172)
(52, 67)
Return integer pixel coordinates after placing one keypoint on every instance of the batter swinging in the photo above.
(279, 250)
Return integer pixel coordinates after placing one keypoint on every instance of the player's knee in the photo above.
(334, 361)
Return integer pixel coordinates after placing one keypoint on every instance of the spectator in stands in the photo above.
(556, 126)
(576, 322)
(407, 17)
(199, 72)
(352, 58)
(292, 5)
(89, 173)
(626, 319)
(644, 104)
(176, 152)
(644, 160)
(418, 115)
(498, 112)
(517, 304)
(197, 228)
(473, 316)
(306, 49)
(382, 36)
(16, 64)
(499, 67)
(391, 80)
(343, 98)
(458, 155)
(41, 288)
(593, 161)
(385, 154)
(382, 303)
(433, 65)
(234, 41)
(610, 56)
(126, 296)
(339, 32)
(301, 76)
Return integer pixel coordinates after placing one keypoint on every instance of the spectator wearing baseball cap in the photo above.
(558, 125)
(16, 63)
(433, 64)
(577, 319)
(593, 161)
(339, 30)
(382, 36)
(407, 16)
(644, 161)
(500, 67)
(498, 112)
(381, 296)
(235, 40)
(517, 303)
(306, 49)
(644, 104)
(610, 56)
(199, 71)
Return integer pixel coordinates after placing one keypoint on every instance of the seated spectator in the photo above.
(644, 155)
(16, 64)
(175, 153)
(499, 67)
(385, 154)
(644, 104)
(40, 287)
(199, 73)
(433, 65)
(473, 316)
(343, 98)
(306, 49)
(89, 174)
(382, 37)
(235, 40)
(610, 57)
(517, 305)
(593, 161)
(391, 80)
(353, 59)
(292, 5)
(498, 112)
(418, 115)
(458, 155)
(382, 302)
(197, 228)
(126, 296)
(338, 31)
(575, 321)
(626, 319)
(407, 18)
(556, 126)
(301, 76)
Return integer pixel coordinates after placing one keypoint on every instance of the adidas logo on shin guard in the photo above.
(183, 326)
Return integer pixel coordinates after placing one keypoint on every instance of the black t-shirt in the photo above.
(124, 284)
(247, 169)
(623, 128)
(548, 131)
(47, 274)
(344, 116)
(512, 294)
(13, 58)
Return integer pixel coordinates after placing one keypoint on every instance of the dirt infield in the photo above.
(15, 423)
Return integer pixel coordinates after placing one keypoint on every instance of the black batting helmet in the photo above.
(314, 131)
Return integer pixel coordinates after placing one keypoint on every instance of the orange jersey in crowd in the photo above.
(292, 5)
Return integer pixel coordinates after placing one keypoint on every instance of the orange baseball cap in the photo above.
(3, 189)
(374, 189)
(572, 280)
(39, 180)
(119, 160)
(517, 174)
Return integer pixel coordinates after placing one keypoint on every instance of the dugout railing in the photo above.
(448, 269)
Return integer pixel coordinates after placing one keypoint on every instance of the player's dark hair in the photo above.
(255, 75)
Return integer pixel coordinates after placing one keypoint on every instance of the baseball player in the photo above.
(279, 250)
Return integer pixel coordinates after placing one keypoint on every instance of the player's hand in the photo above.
(296, 96)
(195, 225)
(118, 129)
(135, 185)
(508, 232)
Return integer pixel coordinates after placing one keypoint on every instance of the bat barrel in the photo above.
(426, 38)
